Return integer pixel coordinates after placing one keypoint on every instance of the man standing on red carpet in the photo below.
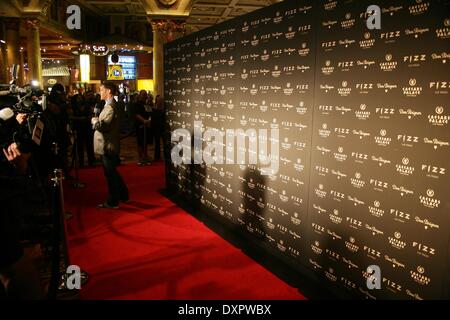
(107, 144)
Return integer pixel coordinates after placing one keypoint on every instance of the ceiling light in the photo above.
(2, 41)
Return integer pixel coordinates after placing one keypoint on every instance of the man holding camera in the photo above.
(107, 144)
(17, 274)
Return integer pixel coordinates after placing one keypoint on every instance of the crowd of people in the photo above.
(90, 125)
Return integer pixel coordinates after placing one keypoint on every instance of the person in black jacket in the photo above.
(157, 125)
(17, 274)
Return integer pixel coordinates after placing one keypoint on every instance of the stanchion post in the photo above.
(77, 184)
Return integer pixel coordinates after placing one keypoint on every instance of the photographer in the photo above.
(17, 274)
(56, 122)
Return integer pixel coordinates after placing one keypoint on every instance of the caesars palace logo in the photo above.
(348, 22)
(330, 5)
(419, 7)
(419, 276)
(368, 42)
(439, 118)
(428, 200)
(389, 64)
(412, 90)
(375, 209)
(444, 32)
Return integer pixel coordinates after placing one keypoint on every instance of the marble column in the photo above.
(34, 51)
(158, 59)
(12, 26)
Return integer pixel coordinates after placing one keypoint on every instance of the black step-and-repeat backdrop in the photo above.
(363, 137)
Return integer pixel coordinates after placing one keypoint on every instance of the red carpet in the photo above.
(152, 249)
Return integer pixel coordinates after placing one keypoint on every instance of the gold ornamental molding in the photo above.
(163, 9)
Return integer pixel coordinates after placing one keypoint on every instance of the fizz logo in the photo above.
(390, 36)
(360, 157)
(379, 185)
(433, 171)
(399, 215)
(354, 223)
(439, 87)
(346, 65)
(407, 140)
(424, 250)
(318, 228)
(364, 88)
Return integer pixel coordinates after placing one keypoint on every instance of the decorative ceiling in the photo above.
(203, 13)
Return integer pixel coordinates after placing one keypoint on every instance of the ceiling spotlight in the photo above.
(2, 41)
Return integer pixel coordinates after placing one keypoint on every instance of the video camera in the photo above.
(14, 100)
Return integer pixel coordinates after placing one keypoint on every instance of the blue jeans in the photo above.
(117, 190)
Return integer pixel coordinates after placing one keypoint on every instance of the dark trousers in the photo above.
(85, 141)
(117, 190)
(157, 137)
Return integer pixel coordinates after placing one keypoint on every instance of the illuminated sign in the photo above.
(128, 64)
(99, 49)
(115, 72)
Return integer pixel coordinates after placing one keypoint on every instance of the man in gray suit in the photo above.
(107, 144)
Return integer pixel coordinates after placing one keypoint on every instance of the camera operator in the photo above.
(56, 121)
(17, 274)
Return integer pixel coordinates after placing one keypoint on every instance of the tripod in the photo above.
(77, 184)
